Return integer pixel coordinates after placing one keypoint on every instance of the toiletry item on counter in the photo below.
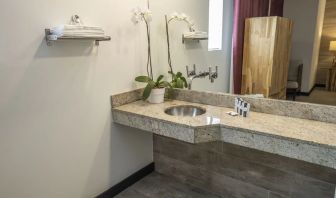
(237, 104)
(246, 109)
(232, 113)
(242, 107)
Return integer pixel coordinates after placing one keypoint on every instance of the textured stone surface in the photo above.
(241, 172)
(160, 127)
(316, 154)
(313, 132)
(125, 98)
(306, 140)
(309, 111)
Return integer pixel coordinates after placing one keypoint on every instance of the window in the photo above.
(215, 25)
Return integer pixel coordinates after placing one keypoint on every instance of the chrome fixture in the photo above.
(213, 75)
(192, 72)
(185, 110)
(192, 75)
(50, 39)
(200, 75)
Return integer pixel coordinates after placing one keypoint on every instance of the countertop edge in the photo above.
(305, 150)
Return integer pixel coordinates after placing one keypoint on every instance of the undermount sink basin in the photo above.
(185, 110)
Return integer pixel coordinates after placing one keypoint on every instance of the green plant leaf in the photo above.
(179, 83)
(165, 84)
(185, 82)
(144, 79)
(148, 90)
(159, 78)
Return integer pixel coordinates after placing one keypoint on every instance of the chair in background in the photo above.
(294, 78)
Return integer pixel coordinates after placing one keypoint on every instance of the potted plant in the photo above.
(178, 80)
(155, 90)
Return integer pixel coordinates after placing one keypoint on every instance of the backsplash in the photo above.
(323, 113)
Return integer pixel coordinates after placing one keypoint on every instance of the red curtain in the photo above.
(276, 7)
(245, 9)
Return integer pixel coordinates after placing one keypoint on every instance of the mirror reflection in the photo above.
(276, 49)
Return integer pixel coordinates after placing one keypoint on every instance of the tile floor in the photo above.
(319, 96)
(156, 185)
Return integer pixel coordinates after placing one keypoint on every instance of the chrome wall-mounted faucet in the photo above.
(193, 75)
(213, 75)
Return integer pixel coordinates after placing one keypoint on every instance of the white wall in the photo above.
(57, 138)
(308, 20)
(317, 41)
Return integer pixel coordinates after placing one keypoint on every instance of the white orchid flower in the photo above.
(140, 15)
(135, 19)
(147, 14)
(135, 15)
(183, 16)
(174, 15)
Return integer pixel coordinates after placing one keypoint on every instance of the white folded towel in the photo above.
(76, 30)
(81, 36)
(196, 34)
(81, 33)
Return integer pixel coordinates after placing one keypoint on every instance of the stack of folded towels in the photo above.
(77, 31)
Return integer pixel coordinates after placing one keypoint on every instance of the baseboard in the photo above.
(129, 181)
(312, 89)
(320, 85)
(304, 93)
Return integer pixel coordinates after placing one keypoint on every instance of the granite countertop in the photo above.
(285, 127)
(308, 140)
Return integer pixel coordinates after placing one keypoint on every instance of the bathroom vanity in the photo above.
(282, 149)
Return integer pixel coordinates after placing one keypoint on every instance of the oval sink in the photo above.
(185, 110)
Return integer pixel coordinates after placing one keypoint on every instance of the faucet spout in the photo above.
(190, 81)
(200, 75)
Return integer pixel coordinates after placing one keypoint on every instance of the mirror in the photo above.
(287, 58)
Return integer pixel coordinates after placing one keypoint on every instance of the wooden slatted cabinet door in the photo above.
(266, 56)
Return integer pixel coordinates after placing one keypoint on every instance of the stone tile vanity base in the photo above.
(283, 150)
(234, 171)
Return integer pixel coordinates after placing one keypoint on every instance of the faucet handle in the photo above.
(187, 68)
(213, 75)
(192, 72)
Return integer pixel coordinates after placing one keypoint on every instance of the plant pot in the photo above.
(157, 96)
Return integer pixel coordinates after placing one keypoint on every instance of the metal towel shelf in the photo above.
(86, 38)
(185, 39)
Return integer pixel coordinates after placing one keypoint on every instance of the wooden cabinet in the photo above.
(331, 79)
(267, 44)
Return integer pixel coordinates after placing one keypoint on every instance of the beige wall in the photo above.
(307, 17)
(57, 138)
(328, 34)
(317, 41)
